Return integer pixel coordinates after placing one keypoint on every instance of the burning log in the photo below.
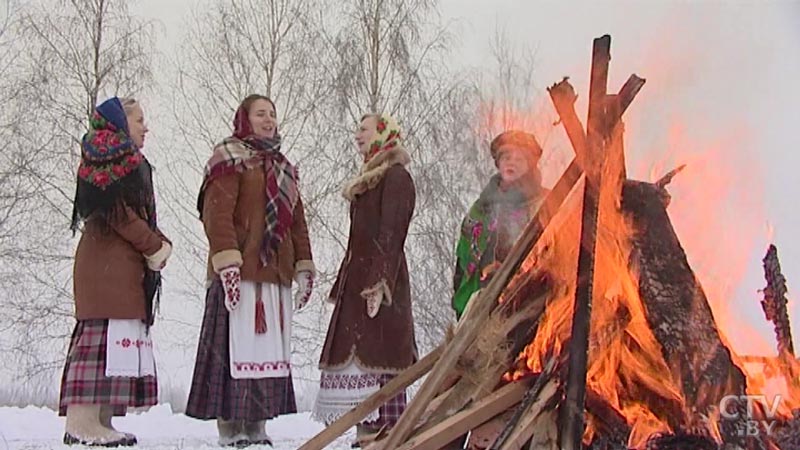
(609, 422)
(681, 441)
(572, 409)
(677, 309)
(601, 154)
(788, 433)
(532, 397)
(667, 178)
(535, 417)
(774, 303)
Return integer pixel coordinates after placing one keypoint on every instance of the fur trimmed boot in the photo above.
(231, 433)
(256, 433)
(84, 427)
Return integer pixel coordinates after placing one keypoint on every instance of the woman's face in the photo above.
(513, 163)
(262, 118)
(365, 134)
(136, 127)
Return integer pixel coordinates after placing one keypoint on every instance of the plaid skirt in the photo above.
(214, 393)
(390, 411)
(84, 380)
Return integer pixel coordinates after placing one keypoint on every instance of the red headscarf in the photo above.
(242, 128)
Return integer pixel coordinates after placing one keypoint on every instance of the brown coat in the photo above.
(109, 267)
(380, 212)
(234, 219)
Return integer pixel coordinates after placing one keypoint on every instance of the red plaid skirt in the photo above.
(390, 411)
(214, 393)
(84, 380)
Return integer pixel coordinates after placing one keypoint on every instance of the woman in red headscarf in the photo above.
(253, 216)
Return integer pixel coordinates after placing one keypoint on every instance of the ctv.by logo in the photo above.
(751, 425)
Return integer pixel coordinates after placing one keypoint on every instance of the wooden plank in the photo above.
(481, 437)
(545, 432)
(487, 368)
(571, 418)
(467, 419)
(524, 429)
(628, 92)
(563, 96)
(374, 401)
(531, 397)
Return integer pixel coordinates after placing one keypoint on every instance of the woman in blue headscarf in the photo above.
(116, 281)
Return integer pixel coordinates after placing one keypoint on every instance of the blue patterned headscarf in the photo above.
(107, 152)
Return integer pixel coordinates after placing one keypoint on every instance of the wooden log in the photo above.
(677, 309)
(545, 432)
(563, 96)
(534, 395)
(373, 402)
(571, 418)
(485, 363)
(524, 429)
(667, 178)
(482, 436)
(463, 421)
(774, 306)
(611, 423)
(628, 92)
(787, 433)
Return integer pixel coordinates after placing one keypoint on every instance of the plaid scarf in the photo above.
(237, 155)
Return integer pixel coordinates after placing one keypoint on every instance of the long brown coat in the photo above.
(234, 219)
(382, 204)
(109, 267)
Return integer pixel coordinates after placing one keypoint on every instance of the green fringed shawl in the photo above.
(489, 229)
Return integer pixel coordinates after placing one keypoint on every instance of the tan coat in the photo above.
(380, 212)
(234, 219)
(109, 267)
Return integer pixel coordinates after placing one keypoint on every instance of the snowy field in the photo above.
(35, 428)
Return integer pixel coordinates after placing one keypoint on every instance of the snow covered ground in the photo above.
(34, 428)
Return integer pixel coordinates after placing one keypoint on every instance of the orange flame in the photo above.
(718, 216)
(718, 211)
(624, 356)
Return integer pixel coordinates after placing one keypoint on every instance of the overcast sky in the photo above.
(721, 95)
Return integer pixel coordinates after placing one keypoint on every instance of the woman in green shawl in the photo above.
(498, 217)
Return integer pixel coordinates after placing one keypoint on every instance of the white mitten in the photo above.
(374, 300)
(305, 284)
(231, 278)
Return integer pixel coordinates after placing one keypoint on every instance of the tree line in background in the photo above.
(324, 63)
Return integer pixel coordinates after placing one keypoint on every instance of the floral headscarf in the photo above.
(107, 152)
(387, 136)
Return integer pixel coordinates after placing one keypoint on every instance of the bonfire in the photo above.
(595, 332)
